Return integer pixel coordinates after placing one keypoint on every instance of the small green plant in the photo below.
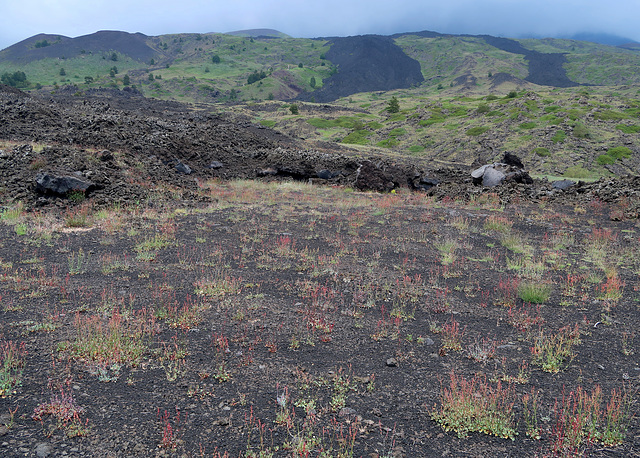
(12, 361)
(542, 151)
(78, 262)
(530, 409)
(559, 136)
(552, 352)
(66, 413)
(475, 406)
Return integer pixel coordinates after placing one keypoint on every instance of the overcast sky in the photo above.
(303, 18)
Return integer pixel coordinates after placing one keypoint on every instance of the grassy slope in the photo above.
(555, 132)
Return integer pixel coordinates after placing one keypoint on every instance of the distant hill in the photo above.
(262, 64)
(43, 46)
(259, 33)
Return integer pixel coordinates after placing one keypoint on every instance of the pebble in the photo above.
(43, 450)
(392, 362)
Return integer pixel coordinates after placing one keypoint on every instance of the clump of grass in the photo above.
(551, 352)
(475, 406)
(497, 224)
(534, 292)
(116, 341)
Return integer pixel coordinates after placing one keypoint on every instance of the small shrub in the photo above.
(475, 406)
(631, 129)
(577, 172)
(605, 159)
(610, 115)
(541, 151)
(475, 131)
(528, 125)
(559, 136)
(619, 152)
(483, 108)
(580, 131)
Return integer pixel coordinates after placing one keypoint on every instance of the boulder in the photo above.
(492, 176)
(61, 185)
(563, 184)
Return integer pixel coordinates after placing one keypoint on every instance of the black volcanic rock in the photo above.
(366, 63)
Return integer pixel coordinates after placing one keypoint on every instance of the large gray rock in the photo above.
(492, 177)
(61, 185)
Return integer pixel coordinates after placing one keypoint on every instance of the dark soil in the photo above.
(366, 63)
(324, 283)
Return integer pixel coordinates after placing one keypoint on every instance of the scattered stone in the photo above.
(563, 184)
(392, 362)
(43, 450)
(327, 174)
(425, 183)
(428, 341)
(345, 411)
(183, 168)
(216, 165)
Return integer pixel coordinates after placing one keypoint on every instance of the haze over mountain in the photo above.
(506, 18)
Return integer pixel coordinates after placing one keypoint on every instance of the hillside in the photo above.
(264, 64)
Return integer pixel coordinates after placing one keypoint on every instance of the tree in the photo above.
(150, 76)
(300, 65)
(15, 79)
(62, 72)
(393, 106)
(114, 57)
(293, 108)
(88, 79)
(312, 82)
(152, 62)
(126, 81)
(215, 59)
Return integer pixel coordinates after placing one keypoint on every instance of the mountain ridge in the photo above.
(256, 65)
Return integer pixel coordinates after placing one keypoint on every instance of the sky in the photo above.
(303, 18)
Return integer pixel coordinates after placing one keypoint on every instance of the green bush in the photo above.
(397, 132)
(541, 151)
(581, 131)
(358, 137)
(610, 115)
(434, 119)
(528, 125)
(605, 159)
(577, 172)
(559, 136)
(388, 143)
(475, 131)
(483, 108)
(491, 97)
(632, 129)
(619, 152)
(416, 149)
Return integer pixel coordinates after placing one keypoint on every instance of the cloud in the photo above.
(512, 18)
